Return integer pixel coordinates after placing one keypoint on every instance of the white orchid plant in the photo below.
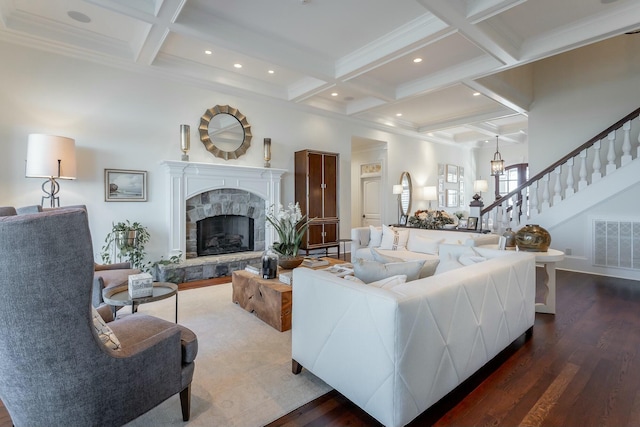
(290, 225)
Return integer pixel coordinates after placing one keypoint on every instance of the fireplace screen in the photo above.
(224, 234)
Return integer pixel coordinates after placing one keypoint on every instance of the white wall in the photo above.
(578, 95)
(126, 120)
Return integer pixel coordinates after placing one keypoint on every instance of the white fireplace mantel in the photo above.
(187, 179)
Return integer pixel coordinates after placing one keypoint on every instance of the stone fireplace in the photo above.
(238, 196)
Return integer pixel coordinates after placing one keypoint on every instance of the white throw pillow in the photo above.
(422, 244)
(389, 282)
(371, 271)
(470, 259)
(392, 239)
(377, 256)
(105, 333)
(456, 251)
(375, 236)
(448, 263)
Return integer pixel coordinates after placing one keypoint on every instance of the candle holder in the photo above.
(185, 142)
(267, 152)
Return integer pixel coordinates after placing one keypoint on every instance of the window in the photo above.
(513, 177)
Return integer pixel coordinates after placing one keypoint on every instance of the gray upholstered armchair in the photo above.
(55, 369)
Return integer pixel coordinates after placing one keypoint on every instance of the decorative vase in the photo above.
(289, 262)
(533, 238)
(269, 266)
(510, 235)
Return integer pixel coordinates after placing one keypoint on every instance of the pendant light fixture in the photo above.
(497, 164)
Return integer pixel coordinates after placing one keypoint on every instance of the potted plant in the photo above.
(126, 242)
(291, 226)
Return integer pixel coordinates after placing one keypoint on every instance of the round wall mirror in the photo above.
(225, 132)
(405, 197)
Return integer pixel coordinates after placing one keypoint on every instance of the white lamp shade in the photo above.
(430, 193)
(397, 189)
(480, 186)
(43, 154)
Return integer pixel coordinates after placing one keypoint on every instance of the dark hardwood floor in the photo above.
(580, 368)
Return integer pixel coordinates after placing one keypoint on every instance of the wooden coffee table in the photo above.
(269, 299)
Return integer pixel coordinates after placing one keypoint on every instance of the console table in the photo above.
(548, 260)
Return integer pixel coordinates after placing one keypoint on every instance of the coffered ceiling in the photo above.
(354, 58)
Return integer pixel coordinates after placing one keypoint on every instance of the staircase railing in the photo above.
(536, 195)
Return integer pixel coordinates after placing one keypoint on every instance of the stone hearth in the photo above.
(186, 181)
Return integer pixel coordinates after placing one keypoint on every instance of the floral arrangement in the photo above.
(290, 225)
(430, 219)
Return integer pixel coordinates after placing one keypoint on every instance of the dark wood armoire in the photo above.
(316, 190)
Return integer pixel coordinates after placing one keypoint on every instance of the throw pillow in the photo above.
(392, 239)
(371, 271)
(470, 259)
(105, 333)
(389, 282)
(375, 236)
(377, 256)
(447, 263)
(423, 245)
(455, 251)
(429, 268)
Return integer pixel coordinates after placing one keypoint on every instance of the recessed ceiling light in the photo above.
(78, 16)
(208, 52)
(399, 115)
(417, 60)
(270, 71)
(334, 94)
(237, 65)
(476, 93)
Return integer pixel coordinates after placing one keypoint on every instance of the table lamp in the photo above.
(51, 157)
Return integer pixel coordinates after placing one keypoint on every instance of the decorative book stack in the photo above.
(140, 285)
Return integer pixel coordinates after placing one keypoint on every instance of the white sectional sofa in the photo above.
(415, 243)
(395, 352)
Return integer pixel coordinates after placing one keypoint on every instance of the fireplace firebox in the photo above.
(224, 234)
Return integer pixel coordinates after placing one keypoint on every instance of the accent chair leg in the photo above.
(296, 368)
(185, 403)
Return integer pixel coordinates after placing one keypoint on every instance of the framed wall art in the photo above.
(122, 185)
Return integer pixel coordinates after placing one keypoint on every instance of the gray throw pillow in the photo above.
(371, 271)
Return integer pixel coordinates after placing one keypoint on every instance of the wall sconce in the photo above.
(51, 157)
(267, 152)
(430, 193)
(185, 141)
(479, 186)
(497, 164)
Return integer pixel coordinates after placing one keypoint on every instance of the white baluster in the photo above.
(638, 149)
(545, 193)
(515, 212)
(525, 206)
(596, 174)
(582, 184)
(557, 188)
(626, 145)
(504, 223)
(533, 199)
(611, 154)
(569, 190)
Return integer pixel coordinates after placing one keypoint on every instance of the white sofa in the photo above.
(395, 353)
(417, 242)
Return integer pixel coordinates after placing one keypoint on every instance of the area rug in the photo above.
(243, 369)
